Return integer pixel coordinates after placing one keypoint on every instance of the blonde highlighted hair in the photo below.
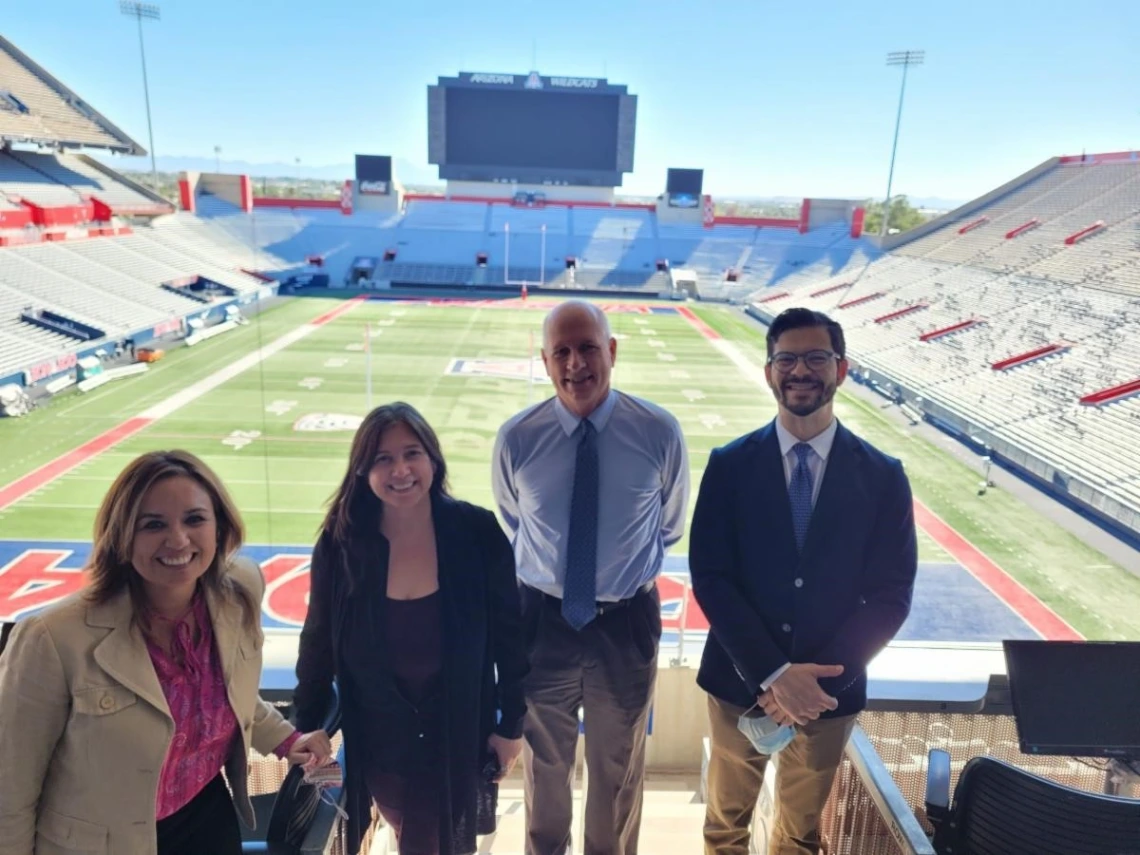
(109, 569)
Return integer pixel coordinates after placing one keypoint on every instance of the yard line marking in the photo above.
(342, 438)
(257, 482)
(223, 457)
(48, 472)
(78, 506)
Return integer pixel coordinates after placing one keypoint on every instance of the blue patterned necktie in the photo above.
(799, 491)
(579, 589)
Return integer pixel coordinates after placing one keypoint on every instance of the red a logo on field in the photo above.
(287, 588)
(34, 580)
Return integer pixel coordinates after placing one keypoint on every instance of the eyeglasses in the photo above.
(816, 360)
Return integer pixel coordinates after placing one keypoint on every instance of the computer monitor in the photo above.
(1076, 698)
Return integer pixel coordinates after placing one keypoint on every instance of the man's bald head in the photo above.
(574, 308)
(579, 351)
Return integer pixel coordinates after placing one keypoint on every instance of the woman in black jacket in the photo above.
(414, 609)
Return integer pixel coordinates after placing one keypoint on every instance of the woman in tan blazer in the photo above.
(120, 706)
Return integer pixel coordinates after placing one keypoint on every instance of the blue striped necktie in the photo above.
(579, 589)
(799, 492)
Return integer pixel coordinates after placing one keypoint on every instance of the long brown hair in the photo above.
(354, 504)
(109, 568)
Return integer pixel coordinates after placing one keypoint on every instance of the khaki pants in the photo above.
(609, 669)
(803, 782)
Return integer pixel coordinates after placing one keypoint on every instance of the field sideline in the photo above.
(265, 425)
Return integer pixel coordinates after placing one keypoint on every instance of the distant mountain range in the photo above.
(407, 172)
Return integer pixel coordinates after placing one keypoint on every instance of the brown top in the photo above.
(414, 643)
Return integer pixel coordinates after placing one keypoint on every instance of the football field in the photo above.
(272, 406)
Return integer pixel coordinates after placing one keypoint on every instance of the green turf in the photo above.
(282, 477)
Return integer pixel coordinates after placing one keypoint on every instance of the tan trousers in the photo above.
(804, 776)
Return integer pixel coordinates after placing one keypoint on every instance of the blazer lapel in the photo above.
(840, 495)
(123, 654)
(225, 618)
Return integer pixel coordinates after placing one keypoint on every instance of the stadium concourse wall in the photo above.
(1070, 490)
(235, 189)
(801, 223)
(44, 371)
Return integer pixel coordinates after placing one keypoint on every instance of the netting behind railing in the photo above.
(851, 821)
(903, 740)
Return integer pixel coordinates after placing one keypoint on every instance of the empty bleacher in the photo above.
(43, 109)
(1062, 201)
(59, 180)
(114, 284)
(21, 181)
(614, 241)
(1027, 292)
(236, 242)
(21, 342)
(709, 252)
(437, 241)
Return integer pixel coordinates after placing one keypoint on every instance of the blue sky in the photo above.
(770, 99)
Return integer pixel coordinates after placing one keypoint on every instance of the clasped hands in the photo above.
(311, 751)
(795, 696)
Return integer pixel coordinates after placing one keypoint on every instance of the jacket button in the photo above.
(786, 627)
(106, 702)
(799, 583)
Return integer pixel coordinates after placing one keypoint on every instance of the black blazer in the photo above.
(855, 576)
(484, 660)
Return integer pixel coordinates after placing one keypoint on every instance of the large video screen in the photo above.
(374, 174)
(528, 129)
(687, 181)
(683, 187)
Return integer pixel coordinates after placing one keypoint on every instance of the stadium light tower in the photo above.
(144, 12)
(218, 158)
(905, 58)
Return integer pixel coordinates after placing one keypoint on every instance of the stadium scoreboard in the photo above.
(531, 129)
(374, 174)
(684, 186)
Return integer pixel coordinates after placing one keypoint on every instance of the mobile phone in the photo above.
(491, 768)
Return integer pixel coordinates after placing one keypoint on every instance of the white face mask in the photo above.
(766, 735)
(327, 778)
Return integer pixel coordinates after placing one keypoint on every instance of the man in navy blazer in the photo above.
(803, 557)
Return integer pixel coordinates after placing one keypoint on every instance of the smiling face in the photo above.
(579, 354)
(402, 472)
(802, 390)
(175, 536)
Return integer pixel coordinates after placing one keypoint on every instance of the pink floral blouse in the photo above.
(205, 726)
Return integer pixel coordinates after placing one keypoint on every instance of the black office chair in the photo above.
(999, 809)
(298, 821)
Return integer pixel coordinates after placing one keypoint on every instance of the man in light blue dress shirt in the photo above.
(593, 486)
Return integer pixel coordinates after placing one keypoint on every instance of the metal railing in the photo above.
(867, 814)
